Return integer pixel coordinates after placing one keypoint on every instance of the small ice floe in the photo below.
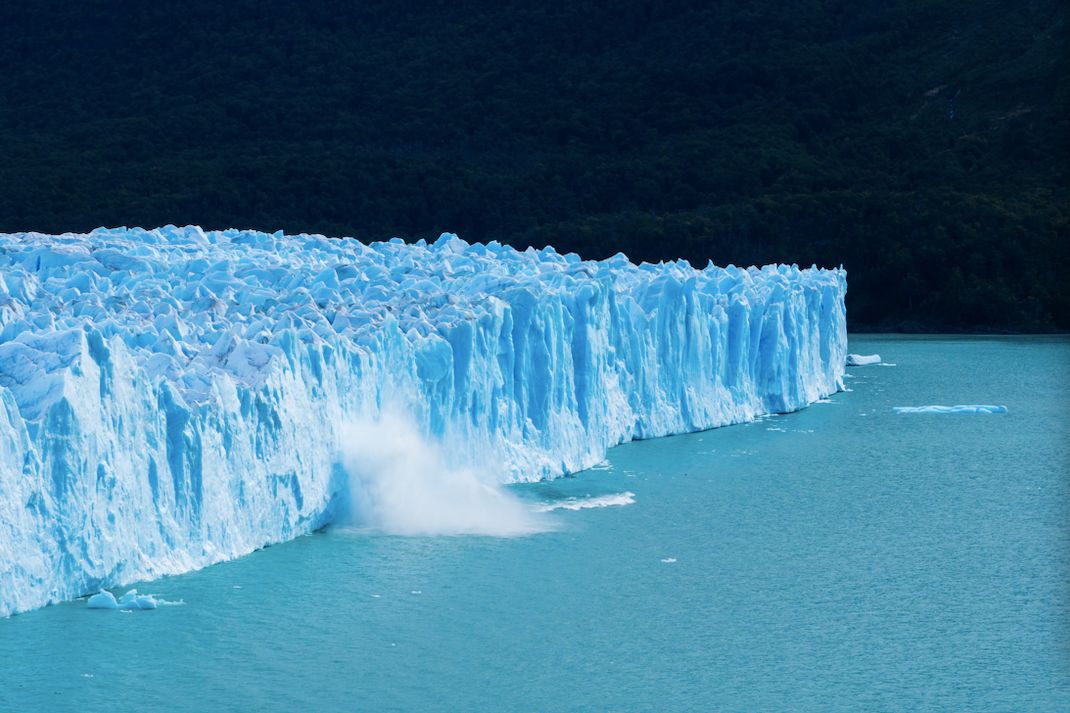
(416, 591)
(103, 600)
(376, 596)
(668, 560)
(128, 602)
(966, 409)
(863, 359)
(597, 501)
(133, 600)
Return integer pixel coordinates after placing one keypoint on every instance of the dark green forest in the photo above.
(922, 144)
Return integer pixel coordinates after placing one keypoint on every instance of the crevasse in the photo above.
(171, 398)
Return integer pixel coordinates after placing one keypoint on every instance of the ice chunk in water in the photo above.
(103, 600)
(963, 409)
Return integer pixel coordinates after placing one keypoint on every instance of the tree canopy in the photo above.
(923, 144)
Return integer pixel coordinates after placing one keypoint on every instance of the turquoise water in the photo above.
(844, 557)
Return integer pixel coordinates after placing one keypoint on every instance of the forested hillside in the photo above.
(922, 144)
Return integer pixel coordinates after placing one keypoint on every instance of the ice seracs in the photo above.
(171, 398)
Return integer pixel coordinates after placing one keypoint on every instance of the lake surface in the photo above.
(842, 558)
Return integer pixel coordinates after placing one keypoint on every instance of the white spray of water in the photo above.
(400, 484)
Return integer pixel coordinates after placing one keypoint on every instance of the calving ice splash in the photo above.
(400, 483)
(172, 398)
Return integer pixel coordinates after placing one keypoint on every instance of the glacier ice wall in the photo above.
(173, 398)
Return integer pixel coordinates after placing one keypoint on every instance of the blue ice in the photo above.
(172, 398)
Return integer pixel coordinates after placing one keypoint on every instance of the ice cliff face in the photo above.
(172, 398)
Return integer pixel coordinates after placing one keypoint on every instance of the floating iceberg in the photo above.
(172, 398)
(102, 600)
(863, 359)
(133, 600)
(967, 409)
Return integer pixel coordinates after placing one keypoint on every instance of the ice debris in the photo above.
(103, 600)
(962, 409)
(129, 601)
(584, 503)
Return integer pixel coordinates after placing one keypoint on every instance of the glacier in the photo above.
(172, 398)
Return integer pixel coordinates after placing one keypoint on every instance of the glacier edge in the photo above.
(173, 398)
